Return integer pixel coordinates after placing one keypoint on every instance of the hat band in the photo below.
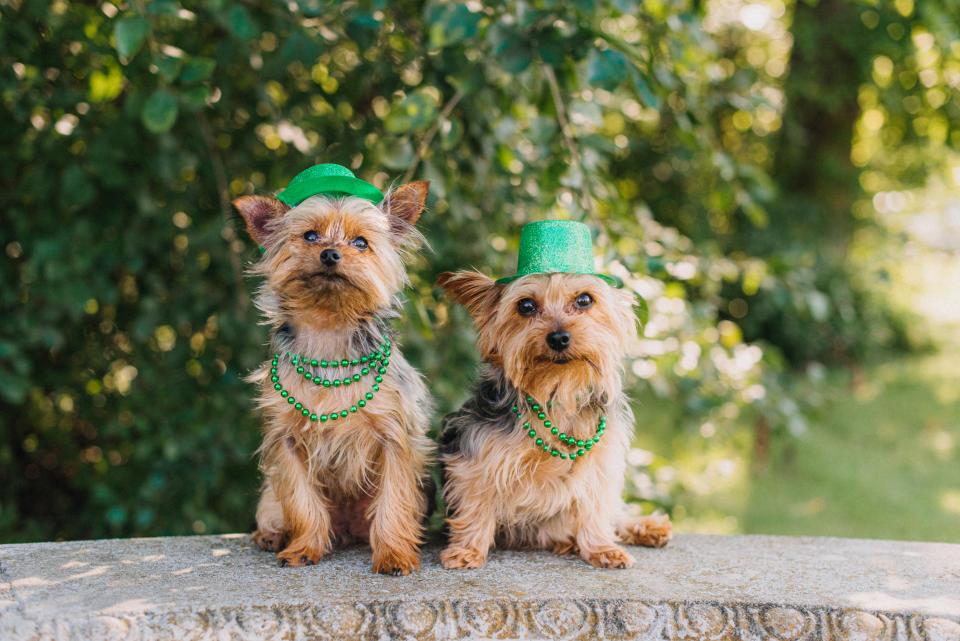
(298, 191)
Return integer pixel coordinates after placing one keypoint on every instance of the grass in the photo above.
(882, 457)
(881, 460)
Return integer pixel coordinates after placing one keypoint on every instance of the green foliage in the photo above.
(129, 34)
(128, 323)
(160, 111)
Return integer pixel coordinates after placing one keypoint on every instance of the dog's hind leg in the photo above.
(595, 537)
(653, 530)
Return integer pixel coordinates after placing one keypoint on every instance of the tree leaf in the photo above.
(240, 23)
(552, 47)
(163, 7)
(13, 388)
(302, 48)
(643, 89)
(78, 191)
(607, 68)
(453, 24)
(516, 57)
(168, 66)
(363, 29)
(396, 153)
(195, 97)
(642, 310)
(197, 69)
(160, 111)
(129, 34)
(106, 86)
(414, 111)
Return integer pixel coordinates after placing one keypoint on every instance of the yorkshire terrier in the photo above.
(343, 456)
(536, 458)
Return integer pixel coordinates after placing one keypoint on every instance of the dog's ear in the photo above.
(258, 212)
(405, 204)
(475, 291)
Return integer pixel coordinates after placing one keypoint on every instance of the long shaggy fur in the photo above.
(361, 477)
(499, 486)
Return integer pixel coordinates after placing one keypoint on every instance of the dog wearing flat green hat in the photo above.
(537, 457)
(345, 417)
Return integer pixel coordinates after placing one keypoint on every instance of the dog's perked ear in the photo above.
(473, 290)
(258, 212)
(405, 204)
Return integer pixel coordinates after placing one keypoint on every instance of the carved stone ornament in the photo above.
(710, 588)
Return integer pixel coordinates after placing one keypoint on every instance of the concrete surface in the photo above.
(699, 587)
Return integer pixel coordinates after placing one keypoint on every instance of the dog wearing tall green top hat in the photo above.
(536, 458)
(345, 416)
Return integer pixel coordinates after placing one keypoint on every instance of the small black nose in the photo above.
(330, 257)
(558, 341)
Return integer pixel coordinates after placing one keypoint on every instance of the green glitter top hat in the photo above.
(328, 179)
(556, 246)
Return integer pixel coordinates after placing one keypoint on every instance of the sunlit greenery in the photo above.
(747, 167)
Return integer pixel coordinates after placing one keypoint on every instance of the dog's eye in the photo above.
(311, 236)
(526, 307)
(583, 301)
(359, 242)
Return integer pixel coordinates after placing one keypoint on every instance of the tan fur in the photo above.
(359, 477)
(406, 202)
(257, 212)
(510, 490)
(292, 285)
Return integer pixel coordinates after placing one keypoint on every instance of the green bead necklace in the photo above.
(581, 447)
(368, 363)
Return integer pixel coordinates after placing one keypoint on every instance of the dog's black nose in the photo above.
(558, 341)
(330, 257)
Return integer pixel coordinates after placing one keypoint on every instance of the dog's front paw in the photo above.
(269, 541)
(611, 557)
(299, 555)
(395, 562)
(652, 531)
(462, 558)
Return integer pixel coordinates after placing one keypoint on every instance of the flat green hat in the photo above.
(330, 179)
(556, 246)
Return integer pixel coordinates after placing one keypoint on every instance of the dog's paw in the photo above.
(652, 531)
(269, 541)
(611, 557)
(566, 548)
(462, 558)
(395, 562)
(297, 556)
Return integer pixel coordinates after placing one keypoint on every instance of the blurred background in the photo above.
(779, 179)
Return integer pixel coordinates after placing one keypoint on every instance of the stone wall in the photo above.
(700, 587)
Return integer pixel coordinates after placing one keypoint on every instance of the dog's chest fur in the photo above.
(485, 444)
(343, 454)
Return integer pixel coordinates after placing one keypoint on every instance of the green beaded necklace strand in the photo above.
(368, 364)
(583, 447)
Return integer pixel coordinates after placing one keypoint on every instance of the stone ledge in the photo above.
(700, 587)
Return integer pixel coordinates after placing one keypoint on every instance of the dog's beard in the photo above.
(340, 297)
(324, 281)
(563, 358)
(565, 377)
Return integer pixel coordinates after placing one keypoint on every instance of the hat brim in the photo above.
(330, 186)
(613, 280)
